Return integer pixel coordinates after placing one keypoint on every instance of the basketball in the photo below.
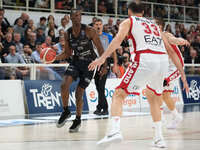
(48, 55)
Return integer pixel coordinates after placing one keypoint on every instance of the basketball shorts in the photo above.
(147, 70)
(79, 69)
(172, 75)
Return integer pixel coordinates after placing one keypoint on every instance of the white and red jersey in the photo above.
(145, 36)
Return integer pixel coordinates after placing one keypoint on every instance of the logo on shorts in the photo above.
(128, 76)
(194, 91)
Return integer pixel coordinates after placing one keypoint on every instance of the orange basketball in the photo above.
(47, 55)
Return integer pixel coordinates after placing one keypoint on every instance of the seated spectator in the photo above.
(6, 44)
(42, 23)
(51, 33)
(40, 35)
(18, 28)
(31, 25)
(192, 59)
(47, 43)
(93, 21)
(2, 36)
(18, 44)
(67, 4)
(51, 19)
(59, 47)
(51, 26)
(13, 56)
(87, 7)
(42, 3)
(3, 21)
(64, 24)
(102, 7)
(61, 33)
(24, 17)
(36, 54)
(27, 36)
(26, 55)
(168, 28)
(32, 41)
(79, 4)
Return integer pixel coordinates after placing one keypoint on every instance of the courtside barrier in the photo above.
(11, 98)
(194, 93)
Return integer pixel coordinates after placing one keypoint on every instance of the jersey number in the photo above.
(148, 29)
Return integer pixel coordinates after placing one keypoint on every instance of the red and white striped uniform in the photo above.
(173, 73)
(150, 63)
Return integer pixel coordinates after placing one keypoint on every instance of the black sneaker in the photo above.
(97, 112)
(75, 126)
(104, 112)
(63, 117)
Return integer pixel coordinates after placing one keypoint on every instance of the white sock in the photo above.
(115, 127)
(158, 130)
(174, 112)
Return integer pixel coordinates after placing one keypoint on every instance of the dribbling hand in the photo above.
(96, 64)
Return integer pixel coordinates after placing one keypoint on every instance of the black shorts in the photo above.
(80, 70)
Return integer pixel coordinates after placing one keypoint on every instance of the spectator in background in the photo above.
(42, 3)
(18, 28)
(116, 26)
(93, 21)
(40, 35)
(86, 6)
(13, 56)
(42, 23)
(6, 44)
(79, 4)
(168, 28)
(59, 47)
(47, 43)
(51, 33)
(51, 19)
(24, 17)
(10, 29)
(102, 7)
(193, 58)
(27, 36)
(32, 41)
(18, 44)
(64, 23)
(2, 36)
(3, 21)
(51, 26)
(67, 4)
(31, 25)
(61, 33)
(36, 54)
(26, 54)
(196, 43)
(110, 27)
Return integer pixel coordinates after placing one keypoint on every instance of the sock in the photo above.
(115, 124)
(161, 109)
(158, 130)
(174, 112)
(78, 117)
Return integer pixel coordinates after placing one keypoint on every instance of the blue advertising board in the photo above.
(44, 96)
(194, 93)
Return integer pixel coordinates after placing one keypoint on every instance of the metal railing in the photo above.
(186, 13)
(33, 67)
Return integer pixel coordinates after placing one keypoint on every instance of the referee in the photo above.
(100, 81)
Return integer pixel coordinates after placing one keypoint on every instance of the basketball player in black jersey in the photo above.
(78, 40)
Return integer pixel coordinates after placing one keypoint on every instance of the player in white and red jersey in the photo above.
(148, 68)
(172, 75)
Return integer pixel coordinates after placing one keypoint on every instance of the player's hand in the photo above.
(185, 42)
(96, 64)
(185, 84)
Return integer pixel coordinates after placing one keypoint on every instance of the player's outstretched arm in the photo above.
(176, 41)
(172, 54)
(123, 31)
(67, 51)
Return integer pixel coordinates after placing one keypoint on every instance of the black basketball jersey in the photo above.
(82, 46)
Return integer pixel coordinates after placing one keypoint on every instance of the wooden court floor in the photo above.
(137, 132)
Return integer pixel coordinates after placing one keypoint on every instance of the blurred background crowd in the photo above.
(23, 41)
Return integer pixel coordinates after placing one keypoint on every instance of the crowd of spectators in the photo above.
(23, 41)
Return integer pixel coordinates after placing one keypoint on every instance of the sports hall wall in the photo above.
(36, 97)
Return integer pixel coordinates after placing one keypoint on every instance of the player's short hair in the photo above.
(136, 7)
(160, 22)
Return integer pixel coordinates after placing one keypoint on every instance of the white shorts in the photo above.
(147, 70)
